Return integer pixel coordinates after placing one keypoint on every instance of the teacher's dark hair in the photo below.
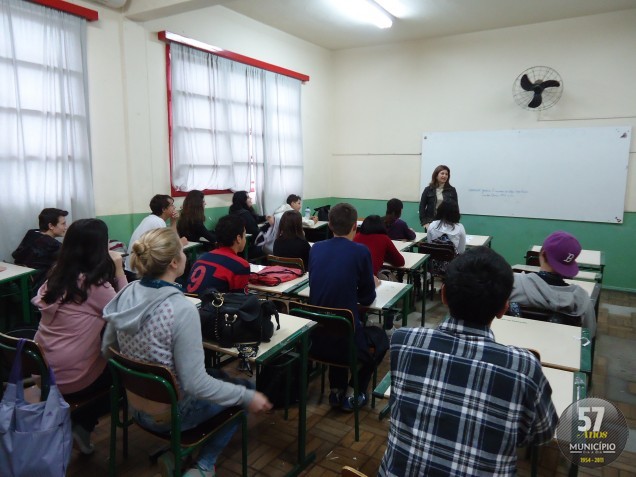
(437, 170)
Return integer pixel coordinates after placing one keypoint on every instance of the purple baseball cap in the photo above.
(561, 250)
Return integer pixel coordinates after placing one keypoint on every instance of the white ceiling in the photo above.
(318, 22)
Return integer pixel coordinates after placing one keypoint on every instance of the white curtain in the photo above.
(45, 156)
(282, 140)
(234, 127)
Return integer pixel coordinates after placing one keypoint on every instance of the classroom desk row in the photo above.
(388, 294)
(16, 273)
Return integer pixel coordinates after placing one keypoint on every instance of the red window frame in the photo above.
(168, 38)
(82, 12)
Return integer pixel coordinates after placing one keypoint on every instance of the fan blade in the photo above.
(550, 84)
(536, 101)
(525, 83)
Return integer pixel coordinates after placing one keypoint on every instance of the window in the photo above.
(44, 130)
(234, 126)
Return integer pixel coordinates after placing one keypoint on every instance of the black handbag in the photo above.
(234, 318)
(322, 212)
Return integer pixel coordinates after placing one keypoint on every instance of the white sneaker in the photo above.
(196, 472)
(83, 440)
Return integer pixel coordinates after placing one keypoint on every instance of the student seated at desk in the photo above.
(546, 289)
(342, 277)
(447, 224)
(162, 207)
(191, 223)
(269, 235)
(151, 320)
(291, 241)
(242, 207)
(373, 235)
(84, 279)
(461, 403)
(222, 269)
(39, 247)
(396, 228)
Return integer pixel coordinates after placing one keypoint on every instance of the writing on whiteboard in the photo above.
(493, 192)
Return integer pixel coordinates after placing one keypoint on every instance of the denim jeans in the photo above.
(193, 412)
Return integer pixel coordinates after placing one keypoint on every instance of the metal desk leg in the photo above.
(27, 313)
(303, 460)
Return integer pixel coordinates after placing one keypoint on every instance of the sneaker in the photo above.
(347, 404)
(335, 398)
(198, 472)
(83, 439)
(166, 464)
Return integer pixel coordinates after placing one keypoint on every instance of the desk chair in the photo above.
(532, 258)
(157, 383)
(441, 254)
(335, 322)
(34, 363)
(286, 261)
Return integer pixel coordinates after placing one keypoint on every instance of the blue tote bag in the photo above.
(35, 439)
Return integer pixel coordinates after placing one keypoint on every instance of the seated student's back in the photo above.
(291, 241)
(222, 269)
(547, 290)
(396, 228)
(461, 403)
(373, 235)
(446, 226)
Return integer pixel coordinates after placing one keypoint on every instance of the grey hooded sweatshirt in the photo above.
(531, 290)
(160, 325)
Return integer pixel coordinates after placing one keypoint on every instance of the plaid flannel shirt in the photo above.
(461, 403)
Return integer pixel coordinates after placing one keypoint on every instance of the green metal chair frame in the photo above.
(158, 383)
(442, 252)
(33, 360)
(336, 322)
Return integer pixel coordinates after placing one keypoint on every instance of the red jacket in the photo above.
(382, 250)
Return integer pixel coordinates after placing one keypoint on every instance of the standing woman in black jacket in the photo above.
(192, 219)
(437, 191)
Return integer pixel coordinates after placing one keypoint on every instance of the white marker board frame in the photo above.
(566, 173)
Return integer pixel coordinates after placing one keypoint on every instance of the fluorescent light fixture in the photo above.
(365, 10)
(394, 7)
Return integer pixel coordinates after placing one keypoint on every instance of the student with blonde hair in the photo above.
(151, 320)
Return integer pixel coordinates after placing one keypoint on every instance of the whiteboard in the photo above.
(567, 173)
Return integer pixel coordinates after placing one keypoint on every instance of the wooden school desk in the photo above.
(583, 275)
(402, 245)
(590, 259)
(318, 231)
(414, 264)
(387, 295)
(19, 274)
(478, 241)
(560, 346)
(567, 387)
(283, 289)
(471, 240)
(191, 249)
(292, 330)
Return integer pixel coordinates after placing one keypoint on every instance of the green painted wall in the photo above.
(511, 236)
(121, 226)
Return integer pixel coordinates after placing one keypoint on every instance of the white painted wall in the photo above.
(127, 93)
(386, 96)
(364, 109)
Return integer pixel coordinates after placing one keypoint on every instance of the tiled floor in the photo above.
(273, 441)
